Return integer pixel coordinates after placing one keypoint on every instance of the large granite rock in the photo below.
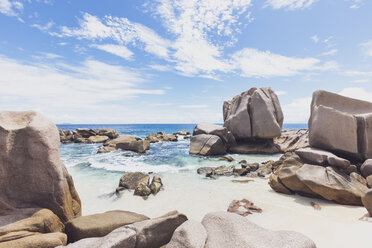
(207, 128)
(99, 225)
(207, 145)
(341, 124)
(40, 240)
(232, 230)
(366, 168)
(321, 157)
(191, 234)
(120, 237)
(331, 184)
(32, 174)
(27, 222)
(153, 233)
(125, 142)
(255, 113)
(157, 232)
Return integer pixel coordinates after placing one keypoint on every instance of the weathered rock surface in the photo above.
(207, 145)
(42, 240)
(152, 233)
(262, 146)
(120, 237)
(367, 201)
(207, 128)
(191, 234)
(28, 222)
(99, 225)
(32, 174)
(126, 142)
(292, 140)
(331, 185)
(255, 113)
(321, 157)
(225, 229)
(157, 232)
(161, 136)
(353, 137)
(86, 135)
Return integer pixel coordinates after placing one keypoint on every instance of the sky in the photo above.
(168, 61)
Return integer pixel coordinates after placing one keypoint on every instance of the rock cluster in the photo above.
(140, 183)
(161, 136)
(252, 124)
(174, 230)
(86, 135)
(182, 132)
(125, 142)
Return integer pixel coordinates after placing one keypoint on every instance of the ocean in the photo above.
(97, 175)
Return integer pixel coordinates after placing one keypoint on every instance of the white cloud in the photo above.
(117, 50)
(354, 73)
(356, 4)
(191, 106)
(281, 92)
(329, 53)
(289, 4)
(315, 38)
(357, 93)
(361, 81)
(120, 30)
(45, 27)
(90, 90)
(298, 111)
(10, 8)
(367, 46)
(255, 63)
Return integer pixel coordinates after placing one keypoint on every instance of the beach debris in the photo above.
(316, 206)
(242, 181)
(243, 207)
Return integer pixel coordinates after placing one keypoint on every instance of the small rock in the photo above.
(243, 207)
(227, 158)
(156, 184)
(130, 180)
(316, 206)
(224, 171)
(243, 161)
(182, 132)
(352, 168)
(205, 170)
(240, 172)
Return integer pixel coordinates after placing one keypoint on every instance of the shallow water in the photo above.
(97, 175)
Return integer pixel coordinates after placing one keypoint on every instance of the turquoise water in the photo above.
(162, 156)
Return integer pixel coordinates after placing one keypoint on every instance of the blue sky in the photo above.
(170, 61)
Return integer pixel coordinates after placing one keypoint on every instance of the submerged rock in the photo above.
(130, 180)
(125, 142)
(32, 173)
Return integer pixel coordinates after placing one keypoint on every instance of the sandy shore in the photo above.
(333, 226)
